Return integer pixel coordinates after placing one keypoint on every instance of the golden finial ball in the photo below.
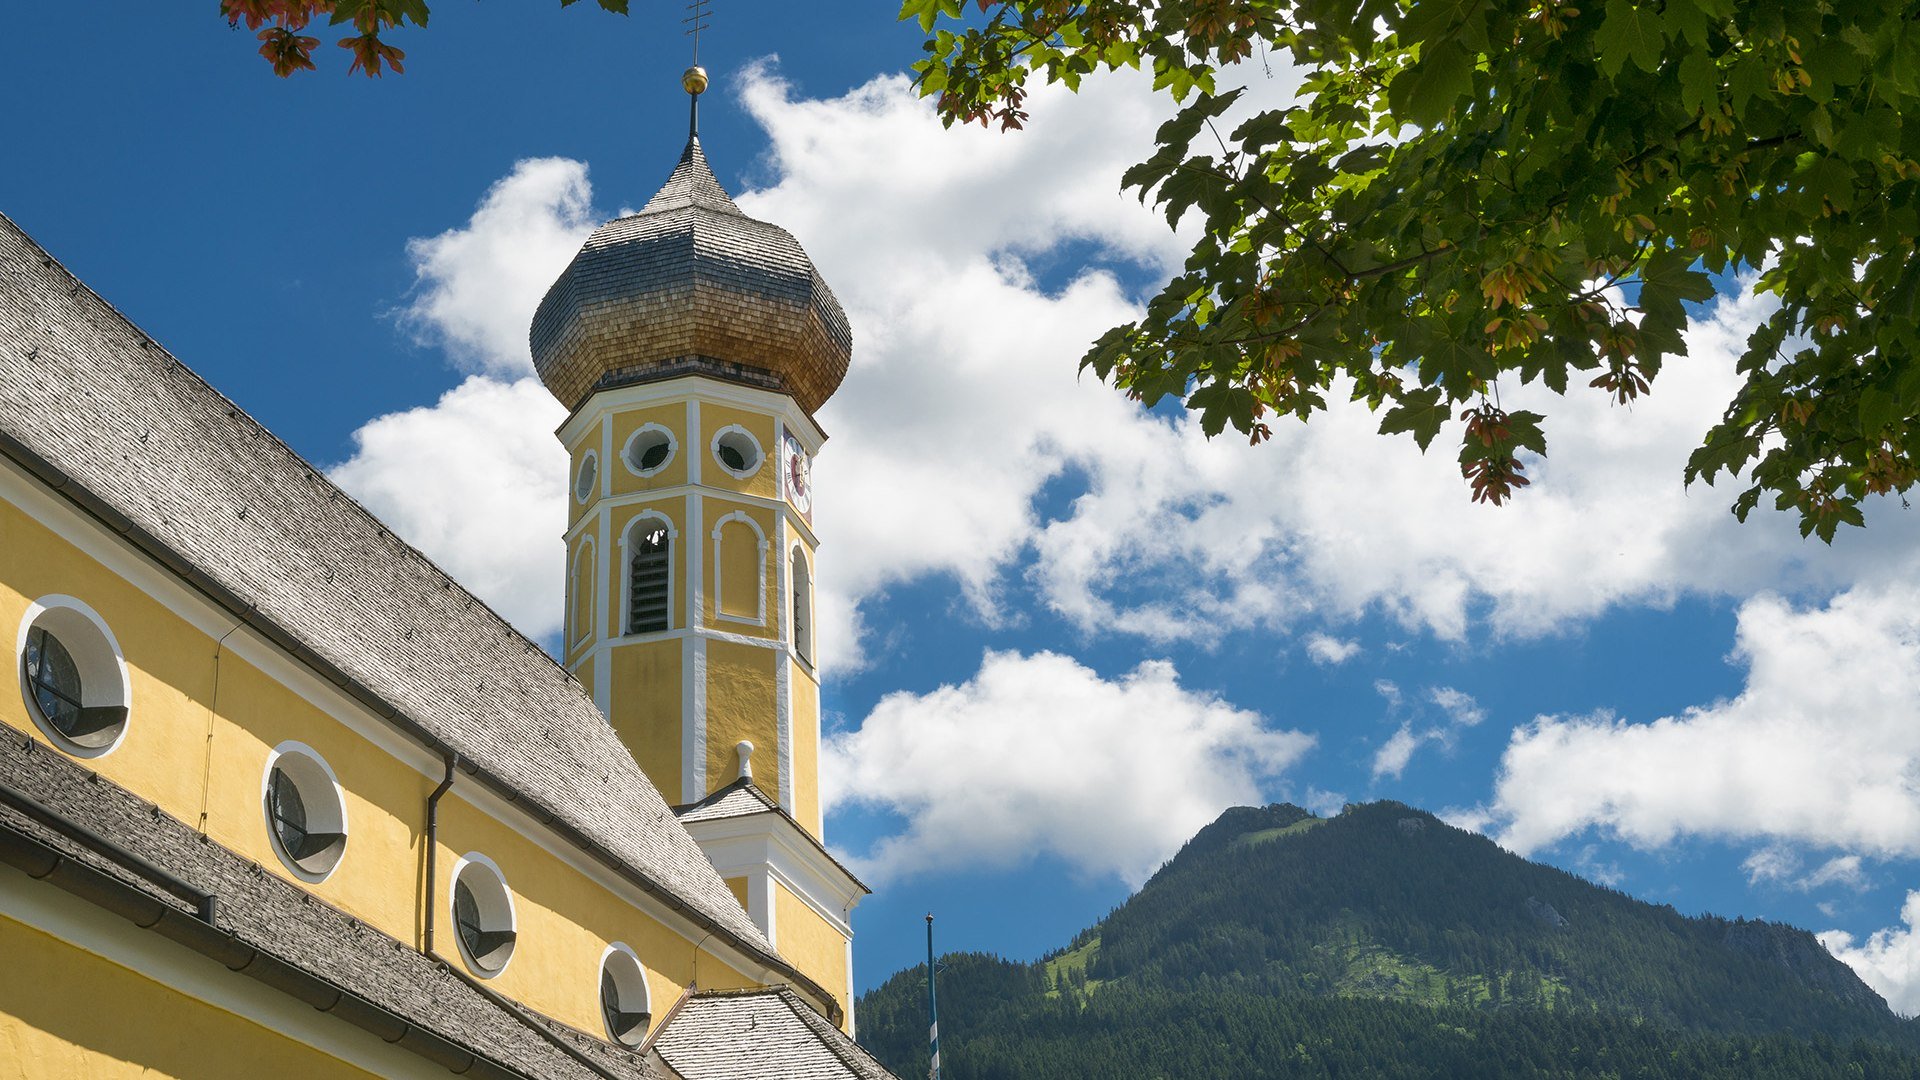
(695, 80)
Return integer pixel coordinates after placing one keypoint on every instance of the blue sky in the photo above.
(1061, 632)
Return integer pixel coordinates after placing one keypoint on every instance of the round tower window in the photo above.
(624, 1007)
(483, 915)
(649, 450)
(306, 816)
(737, 451)
(589, 474)
(72, 676)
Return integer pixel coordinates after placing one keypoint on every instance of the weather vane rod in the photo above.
(695, 78)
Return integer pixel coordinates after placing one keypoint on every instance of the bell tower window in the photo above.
(650, 576)
(802, 607)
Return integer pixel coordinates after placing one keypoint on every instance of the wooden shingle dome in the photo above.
(691, 284)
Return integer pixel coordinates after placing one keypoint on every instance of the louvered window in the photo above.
(54, 681)
(647, 607)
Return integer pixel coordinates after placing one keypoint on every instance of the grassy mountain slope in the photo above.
(1385, 942)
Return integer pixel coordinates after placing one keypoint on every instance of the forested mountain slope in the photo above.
(1386, 942)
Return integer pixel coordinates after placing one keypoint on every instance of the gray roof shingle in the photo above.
(92, 404)
(757, 1034)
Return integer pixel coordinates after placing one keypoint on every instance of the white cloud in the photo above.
(477, 285)
(1888, 960)
(478, 482)
(1819, 748)
(1461, 709)
(1844, 870)
(1040, 755)
(965, 402)
(1392, 757)
(1327, 650)
(1775, 862)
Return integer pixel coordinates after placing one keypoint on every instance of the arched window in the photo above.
(802, 607)
(582, 595)
(624, 1000)
(649, 576)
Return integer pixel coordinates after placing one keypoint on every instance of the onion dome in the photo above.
(691, 284)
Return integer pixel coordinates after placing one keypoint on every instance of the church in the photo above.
(279, 797)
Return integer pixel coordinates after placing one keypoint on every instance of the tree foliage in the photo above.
(1467, 193)
(1385, 943)
(280, 27)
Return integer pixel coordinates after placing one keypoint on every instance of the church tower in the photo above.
(693, 345)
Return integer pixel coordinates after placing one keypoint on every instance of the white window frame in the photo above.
(626, 571)
(760, 569)
(102, 664)
(460, 866)
(809, 658)
(586, 550)
(591, 457)
(639, 1036)
(760, 452)
(626, 450)
(337, 813)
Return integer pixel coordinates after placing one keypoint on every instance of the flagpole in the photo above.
(933, 1010)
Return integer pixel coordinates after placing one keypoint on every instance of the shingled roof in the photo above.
(100, 412)
(756, 1034)
(691, 279)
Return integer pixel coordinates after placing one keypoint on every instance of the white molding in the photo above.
(626, 450)
(294, 748)
(606, 455)
(86, 659)
(780, 507)
(749, 843)
(695, 461)
(695, 780)
(120, 557)
(760, 566)
(760, 906)
(783, 690)
(694, 387)
(589, 549)
(602, 587)
(47, 909)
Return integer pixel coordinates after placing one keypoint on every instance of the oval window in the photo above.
(306, 815)
(483, 916)
(737, 451)
(624, 1005)
(649, 450)
(73, 677)
(588, 476)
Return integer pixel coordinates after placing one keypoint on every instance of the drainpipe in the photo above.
(433, 847)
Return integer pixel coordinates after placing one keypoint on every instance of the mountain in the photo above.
(1384, 942)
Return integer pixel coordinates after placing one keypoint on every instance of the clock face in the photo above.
(799, 476)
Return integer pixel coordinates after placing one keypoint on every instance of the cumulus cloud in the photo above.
(1819, 748)
(1779, 864)
(957, 422)
(1327, 650)
(1392, 757)
(1888, 960)
(1038, 754)
(478, 482)
(1459, 711)
(476, 285)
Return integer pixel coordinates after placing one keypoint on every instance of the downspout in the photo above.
(433, 848)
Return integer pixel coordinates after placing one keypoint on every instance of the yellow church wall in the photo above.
(743, 560)
(812, 944)
(567, 917)
(675, 511)
(741, 705)
(765, 481)
(646, 710)
(673, 417)
(67, 1014)
(739, 887)
(805, 722)
(564, 920)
